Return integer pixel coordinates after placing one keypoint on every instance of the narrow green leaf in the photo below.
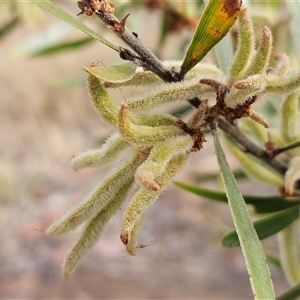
(58, 47)
(291, 294)
(275, 261)
(265, 227)
(114, 74)
(238, 175)
(262, 204)
(63, 15)
(216, 21)
(224, 53)
(6, 28)
(255, 259)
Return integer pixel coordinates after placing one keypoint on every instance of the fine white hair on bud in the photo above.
(168, 92)
(159, 158)
(97, 157)
(106, 109)
(260, 60)
(99, 197)
(245, 48)
(283, 64)
(92, 231)
(244, 90)
(144, 135)
(144, 198)
(283, 84)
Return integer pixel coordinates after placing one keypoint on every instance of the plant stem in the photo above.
(249, 146)
(286, 148)
(132, 40)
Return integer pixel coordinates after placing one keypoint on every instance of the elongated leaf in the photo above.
(290, 294)
(54, 48)
(265, 227)
(114, 74)
(255, 259)
(8, 27)
(216, 21)
(262, 204)
(63, 15)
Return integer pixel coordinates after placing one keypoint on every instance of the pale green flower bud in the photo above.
(245, 48)
(160, 157)
(92, 231)
(144, 135)
(97, 157)
(99, 197)
(144, 198)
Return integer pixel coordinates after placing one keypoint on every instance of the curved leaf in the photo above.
(265, 227)
(290, 294)
(216, 21)
(115, 73)
(63, 15)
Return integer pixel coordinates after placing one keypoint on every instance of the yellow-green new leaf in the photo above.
(114, 74)
(216, 21)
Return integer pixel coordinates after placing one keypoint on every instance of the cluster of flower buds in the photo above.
(158, 145)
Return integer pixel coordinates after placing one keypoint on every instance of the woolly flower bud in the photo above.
(159, 158)
(102, 194)
(92, 232)
(96, 157)
(144, 198)
(245, 89)
(142, 134)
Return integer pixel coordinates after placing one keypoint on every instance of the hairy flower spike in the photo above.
(159, 158)
(245, 89)
(144, 198)
(262, 56)
(106, 109)
(92, 231)
(245, 47)
(102, 194)
(144, 135)
(96, 157)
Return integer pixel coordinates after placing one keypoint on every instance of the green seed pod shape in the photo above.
(262, 56)
(99, 197)
(245, 48)
(144, 135)
(144, 198)
(97, 157)
(159, 158)
(92, 232)
(106, 109)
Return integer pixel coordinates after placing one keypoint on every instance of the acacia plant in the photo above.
(159, 145)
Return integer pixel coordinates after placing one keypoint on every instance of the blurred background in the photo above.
(46, 117)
